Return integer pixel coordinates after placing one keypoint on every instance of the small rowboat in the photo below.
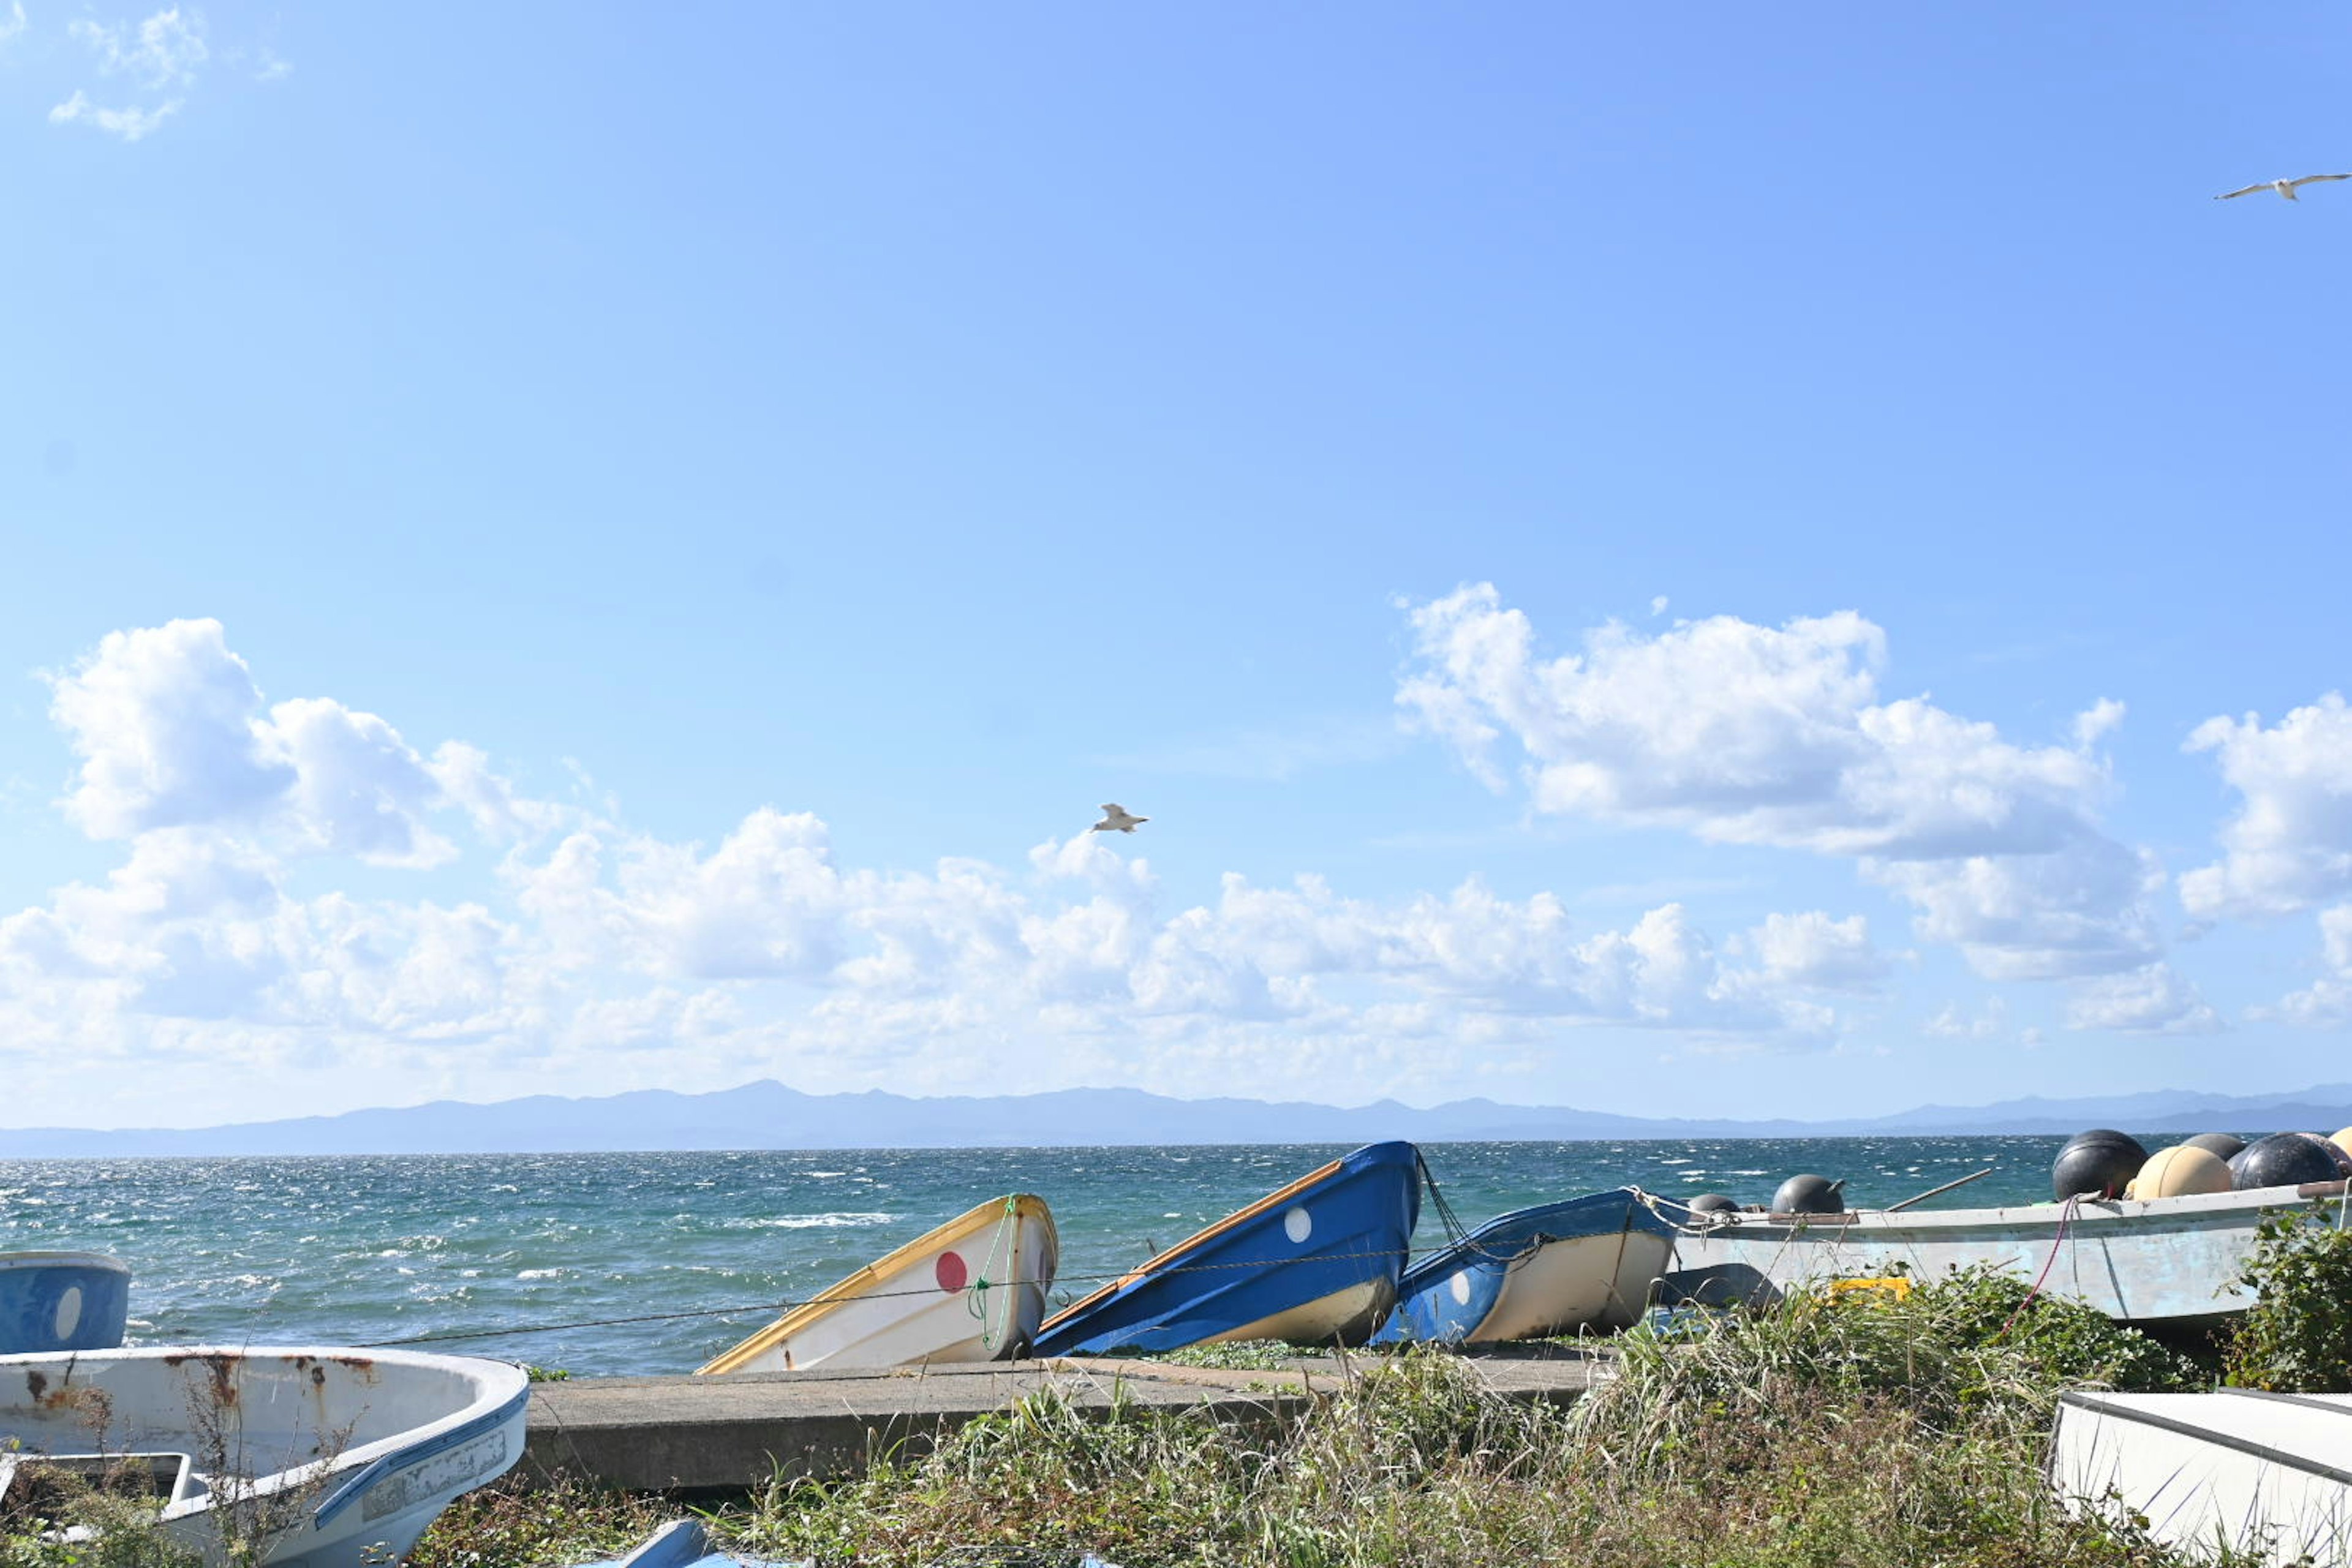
(1316, 1262)
(1587, 1263)
(973, 1289)
(315, 1457)
(2260, 1474)
(62, 1302)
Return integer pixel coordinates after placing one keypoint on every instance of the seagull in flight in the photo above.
(1117, 820)
(2283, 187)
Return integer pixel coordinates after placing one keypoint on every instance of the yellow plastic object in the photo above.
(2343, 1140)
(1894, 1285)
(2184, 1168)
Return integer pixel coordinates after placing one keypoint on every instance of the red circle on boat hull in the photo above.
(950, 1272)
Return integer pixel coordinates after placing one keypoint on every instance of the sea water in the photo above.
(605, 1265)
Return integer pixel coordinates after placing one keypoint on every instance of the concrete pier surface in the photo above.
(705, 1434)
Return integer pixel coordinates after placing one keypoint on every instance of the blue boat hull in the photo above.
(1314, 1262)
(62, 1302)
(1587, 1263)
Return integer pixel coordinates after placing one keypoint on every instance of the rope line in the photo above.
(788, 1305)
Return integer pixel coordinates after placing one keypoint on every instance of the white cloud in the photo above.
(13, 24)
(1749, 734)
(2154, 1000)
(2327, 1002)
(1811, 949)
(763, 947)
(129, 124)
(1951, 1022)
(2290, 844)
(1658, 605)
(163, 51)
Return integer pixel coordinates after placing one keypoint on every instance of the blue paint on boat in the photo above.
(1339, 1234)
(62, 1302)
(1449, 1296)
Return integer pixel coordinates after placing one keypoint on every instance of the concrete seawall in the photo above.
(706, 1434)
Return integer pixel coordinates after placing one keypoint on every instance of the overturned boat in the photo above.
(62, 1302)
(2162, 1262)
(973, 1290)
(324, 1458)
(2261, 1475)
(1314, 1262)
(1556, 1268)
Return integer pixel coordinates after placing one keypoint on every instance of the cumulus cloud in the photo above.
(1812, 948)
(13, 24)
(2327, 1002)
(2289, 845)
(1951, 1022)
(171, 730)
(1743, 733)
(2154, 1000)
(762, 947)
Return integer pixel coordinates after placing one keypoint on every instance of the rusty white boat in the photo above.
(973, 1290)
(307, 1457)
(2164, 1262)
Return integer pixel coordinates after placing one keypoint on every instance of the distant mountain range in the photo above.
(768, 1115)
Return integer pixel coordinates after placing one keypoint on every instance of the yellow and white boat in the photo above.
(973, 1289)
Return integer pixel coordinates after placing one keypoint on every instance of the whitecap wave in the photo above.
(808, 1222)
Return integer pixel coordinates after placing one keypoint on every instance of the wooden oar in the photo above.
(1931, 1192)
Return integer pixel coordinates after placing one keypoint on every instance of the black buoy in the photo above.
(2333, 1150)
(2225, 1145)
(2098, 1162)
(1714, 1203)
(1808, 1194)
(2281, 1159)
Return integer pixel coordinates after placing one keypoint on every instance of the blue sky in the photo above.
(1717, 563)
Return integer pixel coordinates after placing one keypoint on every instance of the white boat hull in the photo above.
(1344, 1316)
(1585, 1281)
(2166, 1261)
(973, 1290)
(2208, 1471)
(328, 1457)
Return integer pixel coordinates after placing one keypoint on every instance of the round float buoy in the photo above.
(1808, 1194)
(2281, 1159)
(2182, 1169)
(2223, 1146)
(2333, 1150)
(2343, 1140)
(1712, 1203)
(2098, 1162)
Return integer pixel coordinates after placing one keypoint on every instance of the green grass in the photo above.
(1866, 1434)
(1856, 1434)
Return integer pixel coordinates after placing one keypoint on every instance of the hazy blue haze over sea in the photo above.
(366, 1250)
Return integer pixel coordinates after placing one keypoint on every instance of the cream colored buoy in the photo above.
(2343, 1140)
(2181, 1169)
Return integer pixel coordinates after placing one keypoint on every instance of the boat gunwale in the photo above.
(852, 1287)
(490, 1407)
(2179, 1428)
(2085, 1210)
(1154, 1264)
(1467, 1246)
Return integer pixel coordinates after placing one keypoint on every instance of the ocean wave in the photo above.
(808, 1222)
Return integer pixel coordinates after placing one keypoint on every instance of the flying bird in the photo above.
(1117, 820)
(2283, 187)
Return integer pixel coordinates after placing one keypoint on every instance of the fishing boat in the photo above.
(1314, 1262)
(62, 1302)
(2263, 1475)
(1587, 1263)
(321, 1457)
(973, 1290)
(2168, 1262)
